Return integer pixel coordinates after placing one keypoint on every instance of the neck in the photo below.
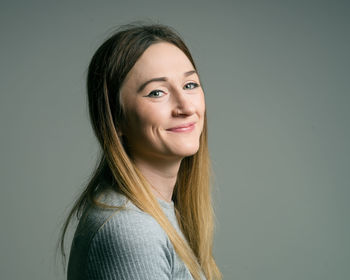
(161, 174)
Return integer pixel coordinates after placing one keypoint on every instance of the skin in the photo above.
(159, 106)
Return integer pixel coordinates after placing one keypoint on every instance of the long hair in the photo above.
(192, 192)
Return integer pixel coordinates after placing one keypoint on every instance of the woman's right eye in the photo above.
(155, 93)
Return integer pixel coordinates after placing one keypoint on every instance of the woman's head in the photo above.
(131, 56)
(163, 104)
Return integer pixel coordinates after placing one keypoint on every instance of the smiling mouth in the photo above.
(183, 128)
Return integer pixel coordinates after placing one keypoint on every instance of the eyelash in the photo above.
(195, 85)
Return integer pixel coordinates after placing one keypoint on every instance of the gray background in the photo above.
(276, 77)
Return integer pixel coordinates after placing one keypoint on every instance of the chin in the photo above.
(187, 151)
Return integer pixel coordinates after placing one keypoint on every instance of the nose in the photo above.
(183, 105)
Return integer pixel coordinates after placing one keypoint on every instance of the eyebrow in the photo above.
(163, 79)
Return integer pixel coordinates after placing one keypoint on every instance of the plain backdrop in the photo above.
(276, 79)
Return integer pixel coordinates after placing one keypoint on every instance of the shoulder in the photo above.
(131, 242)
(123, 243)
(132, 223)
(127, 220)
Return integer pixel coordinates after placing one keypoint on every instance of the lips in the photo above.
(183, 128)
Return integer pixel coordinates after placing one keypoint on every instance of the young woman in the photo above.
(146, 212)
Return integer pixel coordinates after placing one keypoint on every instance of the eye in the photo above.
(155, 93)
(191, 85)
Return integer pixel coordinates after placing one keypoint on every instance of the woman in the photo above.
(146, 212)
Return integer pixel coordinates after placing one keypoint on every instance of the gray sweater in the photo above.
(128, 244)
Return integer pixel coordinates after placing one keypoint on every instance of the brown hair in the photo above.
(193, 206)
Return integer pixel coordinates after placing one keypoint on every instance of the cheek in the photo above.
(201, 110)
(150, 115)
(200, 104)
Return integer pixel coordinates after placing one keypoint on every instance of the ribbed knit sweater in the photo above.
(127, 244)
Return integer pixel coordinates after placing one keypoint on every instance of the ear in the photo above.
(120, 127)
(119, 132)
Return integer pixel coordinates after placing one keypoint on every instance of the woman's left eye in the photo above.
(191, 85)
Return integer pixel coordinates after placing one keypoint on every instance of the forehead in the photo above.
(161, 59)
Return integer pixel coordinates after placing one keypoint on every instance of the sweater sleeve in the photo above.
(130, 245)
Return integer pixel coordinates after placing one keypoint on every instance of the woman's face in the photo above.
(164, 105)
